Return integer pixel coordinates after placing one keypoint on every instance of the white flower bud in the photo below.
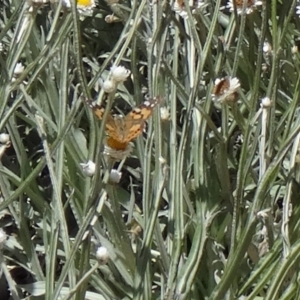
(19, 68)
(109, 86)
(89, 168)
(115, 176)
(4, 138)
(119, 73)
(266, 102)
(295, 49)
(102, 255)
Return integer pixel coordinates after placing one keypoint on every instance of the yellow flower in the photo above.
(83, 6)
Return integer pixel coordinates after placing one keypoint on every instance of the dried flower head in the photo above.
(250, 5)
(225, 89)
(88, 168)
(119, 73)
(179, 6)
(117, 154)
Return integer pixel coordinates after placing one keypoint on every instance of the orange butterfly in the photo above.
(123, 129)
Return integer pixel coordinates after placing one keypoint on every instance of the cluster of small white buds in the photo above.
(118, 74)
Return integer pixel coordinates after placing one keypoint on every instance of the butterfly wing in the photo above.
(97, 109)
(134, 121)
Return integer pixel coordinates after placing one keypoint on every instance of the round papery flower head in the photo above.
(88, 168)
(117, 154)
(102, 255)
(114, 176)
(109, 86)
(298, 10)
(250, 5)
(3, 237)
(119, 73)
(225, 89)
